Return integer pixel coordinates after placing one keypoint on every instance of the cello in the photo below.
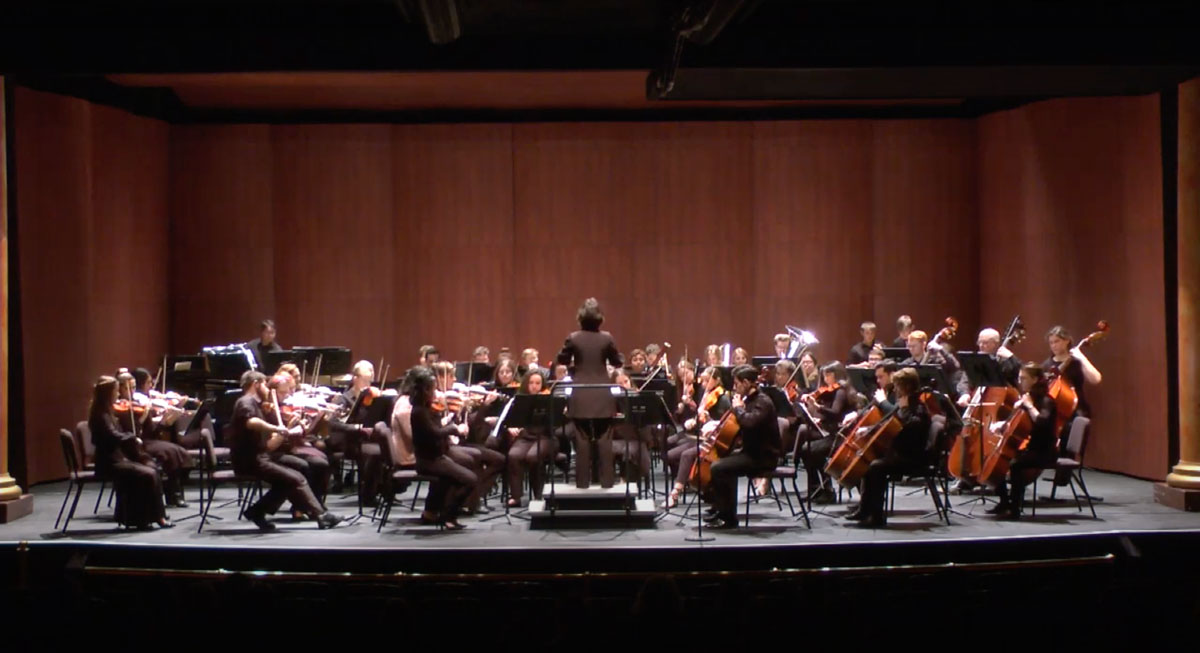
(870, 438)
(966, 459)
(1005, 446)
(716, 442)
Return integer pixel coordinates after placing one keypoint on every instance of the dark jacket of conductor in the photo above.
(588, 354)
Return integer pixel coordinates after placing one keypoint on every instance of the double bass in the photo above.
(1064, 395)
(988, 404)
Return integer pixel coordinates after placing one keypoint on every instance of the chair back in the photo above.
(1077, 440)
(400, 436)
(70, 455)
(208, 456)
(83, 439)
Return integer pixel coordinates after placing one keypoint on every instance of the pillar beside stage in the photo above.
(14, 504)
(1182, 488)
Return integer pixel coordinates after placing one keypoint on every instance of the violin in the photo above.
(821, 392)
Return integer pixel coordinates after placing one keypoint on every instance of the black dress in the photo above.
(139, 490)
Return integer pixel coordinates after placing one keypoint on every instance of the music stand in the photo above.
(646, 408)
(982, 370)
(896, 353)
(472, 373)
(863, 380)
(783, 407)
(228, 363)
(760, 361)
(524, 411)
(335, 361)
(272, 360)
(934, 376)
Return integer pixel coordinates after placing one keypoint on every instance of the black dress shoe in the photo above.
(871, 521)
(723, 525)
(857, 514)
(328, 520)
(259, 519)
(999, 508)
(710, 512)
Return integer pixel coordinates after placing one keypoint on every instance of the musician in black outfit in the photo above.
(265, 342)
(814, 446)
(587, 353)
(904, 326)
(861, 351)
(908, 451)
(989, 342)
(431, 443)
(119, 457)
(1039, 453)
(760, 450)
(1073, 364)
(253, 439)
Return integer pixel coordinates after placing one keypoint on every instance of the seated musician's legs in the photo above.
(815, 455)
(874, 487)
(516, 469)
(725, 473)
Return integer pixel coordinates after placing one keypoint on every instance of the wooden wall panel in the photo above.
(813, 250)
(222, 237)
(332, 219)
(453, 253)
(1070, 212)
(924, 226)
(93, 223)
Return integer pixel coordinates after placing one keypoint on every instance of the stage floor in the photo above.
(1127, 509)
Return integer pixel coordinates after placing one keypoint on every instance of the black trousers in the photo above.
(491, 464)
(1021, 470)
(286, 484)
(593, 442)
(874, 486)
(529, 452)
(815, 454)
(139, 493)
(725, 473)
(449, 493)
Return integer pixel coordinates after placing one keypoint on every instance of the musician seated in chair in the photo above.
(829, 405)
(1039, 454)
(253, 438)
(682, 455)
(760, 446)
(908, 450)
(264, 343)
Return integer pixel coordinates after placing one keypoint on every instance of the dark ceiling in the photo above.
(765, 50)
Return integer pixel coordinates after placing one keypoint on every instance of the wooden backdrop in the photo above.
(92, 218)
(386, 237)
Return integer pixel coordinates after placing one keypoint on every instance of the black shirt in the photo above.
(913, 438)
(260, 352)
(431, 440)
(758, 426)
(245, 442)
(859, 353)
(1042, 439)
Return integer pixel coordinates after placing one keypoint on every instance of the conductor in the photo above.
(587, 354)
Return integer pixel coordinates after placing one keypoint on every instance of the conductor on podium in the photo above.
(588, 352)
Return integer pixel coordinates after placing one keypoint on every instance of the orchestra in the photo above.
(1004, 427)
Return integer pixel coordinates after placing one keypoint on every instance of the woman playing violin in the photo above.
(156, 417)
(809, 377)
(118, 456)
(828, 405)
(454, 400)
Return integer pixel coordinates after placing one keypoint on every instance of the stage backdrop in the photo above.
(92, 220)
(386, 237)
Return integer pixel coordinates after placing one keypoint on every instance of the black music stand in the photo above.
(863, 380)
(896, 353)
(524, 411)
(472, 373)
(933, 376)
(646, 408)
(335, 361)
(759, 361)
(982, 370)
(226, 363)
(272, 360)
